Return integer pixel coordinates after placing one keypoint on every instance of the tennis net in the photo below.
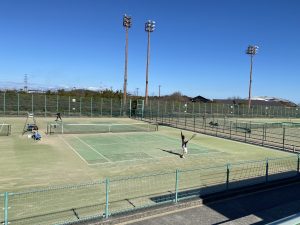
(77, 128)
(5, 129)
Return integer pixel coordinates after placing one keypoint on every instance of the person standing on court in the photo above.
(58, 116)
(183, 145)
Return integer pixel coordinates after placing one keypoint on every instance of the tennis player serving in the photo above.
(184, 144)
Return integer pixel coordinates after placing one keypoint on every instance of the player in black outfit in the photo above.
(58, 116)
(183, 145)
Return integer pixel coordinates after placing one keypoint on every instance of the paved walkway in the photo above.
(258, 208)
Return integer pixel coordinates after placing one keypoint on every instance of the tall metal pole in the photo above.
(147, 66)
(159, 90)
(125, 73)
(127, 25)
(251, 50)
(149, 27)
(250, 83)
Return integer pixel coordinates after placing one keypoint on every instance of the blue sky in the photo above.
(198, 46)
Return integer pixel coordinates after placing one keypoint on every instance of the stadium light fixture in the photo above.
(251, 50)
(149, 27)
(127, 25)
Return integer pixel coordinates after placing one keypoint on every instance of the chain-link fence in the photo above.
(284, 136)
(67, 204)
(49, 104)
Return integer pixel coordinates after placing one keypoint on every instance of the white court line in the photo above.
(72, 149)
(93, 149)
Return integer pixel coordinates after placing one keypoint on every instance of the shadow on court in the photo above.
(170, 152)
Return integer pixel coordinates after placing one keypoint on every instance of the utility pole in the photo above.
(159, 90)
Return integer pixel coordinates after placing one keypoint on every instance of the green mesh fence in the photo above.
(285, 136)
(57, 205)
(67, 204)
(141, 191)
(48, 104)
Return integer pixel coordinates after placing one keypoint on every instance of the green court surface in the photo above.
(122, 147)
(62, 159)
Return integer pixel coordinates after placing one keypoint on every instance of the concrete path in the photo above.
(263, 207)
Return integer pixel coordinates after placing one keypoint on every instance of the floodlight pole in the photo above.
(251, 50)
(250, 81)
(127, 25)
(159, 90)
(149, 27)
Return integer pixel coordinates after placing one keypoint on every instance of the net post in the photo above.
(176, 185)
(6, 208)
(267, 170)
(227, 176)
(106, 198)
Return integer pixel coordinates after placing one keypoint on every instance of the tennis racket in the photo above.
(194, 135)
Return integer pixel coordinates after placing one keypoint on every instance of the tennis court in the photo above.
(139, 161)
(121, 147)
(60, 159)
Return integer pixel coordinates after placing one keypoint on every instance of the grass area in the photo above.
(80, 158)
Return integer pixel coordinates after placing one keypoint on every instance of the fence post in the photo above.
(194, 122)
(69, 105)
(111, 107)
(32, 103)
(267, 170)
(227, 176)
(45, 105)
(263, 136)
(298, 163)
(6, 208)
(101, 102)
(230, 129)
(176, 185)
(106, 197)
(56, 103)
(283, 138)
(80, 99)
(91, 106)
(18, 104)
(4, 103)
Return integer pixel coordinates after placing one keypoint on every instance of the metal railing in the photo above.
(100, 200)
